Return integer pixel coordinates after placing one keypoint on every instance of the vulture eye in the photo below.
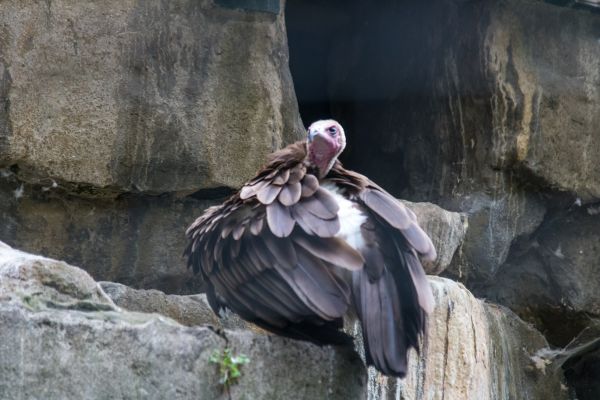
(332, 130)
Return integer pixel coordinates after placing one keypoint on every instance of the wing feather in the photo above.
(310, 184)
(400, 217)
(268, 193)
(279, 219)
(333, 250)
(290, 194)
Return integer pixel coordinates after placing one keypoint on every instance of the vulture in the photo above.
(307, 242)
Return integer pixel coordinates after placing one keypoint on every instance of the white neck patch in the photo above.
(350, 215)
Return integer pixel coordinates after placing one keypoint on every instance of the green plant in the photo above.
(229, 365)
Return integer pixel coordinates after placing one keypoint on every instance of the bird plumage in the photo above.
(300, 244)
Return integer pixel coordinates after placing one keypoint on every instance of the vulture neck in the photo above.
(321, 163)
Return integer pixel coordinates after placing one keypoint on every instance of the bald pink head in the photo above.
(326, 141)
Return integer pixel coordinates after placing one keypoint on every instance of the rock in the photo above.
(187, 310)
(495, 223)
(554, 276)
(545, 116)
(473, 350)
(158, 96)
(62, 337)
(446, 229)
(37, 283)
(134, 239)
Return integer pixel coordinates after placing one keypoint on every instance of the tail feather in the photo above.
(391, 310)
(380, 312)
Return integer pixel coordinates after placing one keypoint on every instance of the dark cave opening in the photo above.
(365, 66)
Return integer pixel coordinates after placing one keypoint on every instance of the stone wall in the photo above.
(111, 341)
(121, 121)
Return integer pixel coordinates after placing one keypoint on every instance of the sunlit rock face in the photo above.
(112, 114)
(474, 350)
(159, 96)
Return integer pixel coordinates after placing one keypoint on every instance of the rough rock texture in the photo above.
(554, 276)
(137, 240)
(474, 350)
(187, 310)
(446, 229)
(157, 96)
(496, 221)
(546, 97)
(58, 326)
(61, 325)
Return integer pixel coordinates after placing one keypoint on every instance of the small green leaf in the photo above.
(228, 365)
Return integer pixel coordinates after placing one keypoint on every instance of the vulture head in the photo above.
(326, 141)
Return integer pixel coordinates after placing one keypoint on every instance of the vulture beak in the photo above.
(318, 136)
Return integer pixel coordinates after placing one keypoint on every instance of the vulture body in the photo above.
(306, 241)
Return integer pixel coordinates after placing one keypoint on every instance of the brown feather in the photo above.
(422, 286)
(296, 174)
(279, 219)
(328, 201)
(238, 231)
(227, 229)
(315, 207)
(310, 184)
(282, 251)
(282, 177)
(294, 210)
(332, 250)
(251, 190)
(313, 224)
(387, 208)
(267, 194)
(290, 194)
(420, 241)
(318, 289)
(256, 226)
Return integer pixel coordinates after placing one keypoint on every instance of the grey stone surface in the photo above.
(62, 337)
(446, 229)
(134, 239)
(157, 96)
(188, 310)
(474, 351)
(554, 276)
(495, 223)
(546, 98)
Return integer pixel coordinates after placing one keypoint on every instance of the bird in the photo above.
(306, 243)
